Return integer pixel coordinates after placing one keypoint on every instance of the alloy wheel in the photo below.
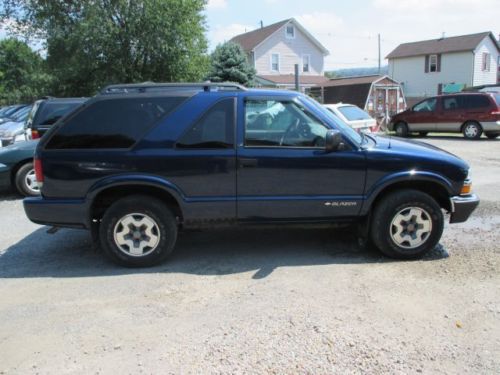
(137, 234)
(411, 227)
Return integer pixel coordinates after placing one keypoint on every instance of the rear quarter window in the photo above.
(51, 112)
(477, 101)
(112, 123)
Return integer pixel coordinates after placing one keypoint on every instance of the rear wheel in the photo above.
(472, 130)
(492, 136)
(25, 181)
(138, 231)
(401, 129)
(407, 224)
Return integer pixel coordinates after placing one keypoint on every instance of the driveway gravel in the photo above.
(271, 300)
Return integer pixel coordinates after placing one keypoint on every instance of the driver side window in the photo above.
(275, 123)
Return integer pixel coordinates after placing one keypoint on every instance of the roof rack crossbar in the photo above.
(148, 86)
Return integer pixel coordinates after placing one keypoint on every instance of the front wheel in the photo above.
(138, 231)
(407, 224)
(401, 129)
(472, 130)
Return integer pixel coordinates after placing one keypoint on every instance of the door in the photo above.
(451, 114)
(423, 116)
(284, 174)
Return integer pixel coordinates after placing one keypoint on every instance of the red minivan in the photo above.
(471, 114)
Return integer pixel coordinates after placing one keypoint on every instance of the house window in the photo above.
(306, 62)
(275, 62)
(486, 62)
(433, 62)
(290, 32)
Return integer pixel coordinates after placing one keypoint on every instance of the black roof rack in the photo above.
(152, 87)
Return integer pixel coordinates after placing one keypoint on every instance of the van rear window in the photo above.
(112, 123)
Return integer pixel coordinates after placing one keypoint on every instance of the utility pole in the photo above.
(297, 81)
(379, 57)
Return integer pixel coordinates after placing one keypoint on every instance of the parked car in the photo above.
(354, 116)
(7, 112)
(16, 168)
(138, 163)
(471, 114)
(13, 130)
(46, 112)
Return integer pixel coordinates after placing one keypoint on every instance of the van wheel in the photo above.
(401, 129)
(138, 231)
(407, 224)
(492, 136)
(472, 130)
(25, 181)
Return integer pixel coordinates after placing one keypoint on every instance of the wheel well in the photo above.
(435, 190)
(107, 197)
(14, 170)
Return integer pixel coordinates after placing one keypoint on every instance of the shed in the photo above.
(381, 96)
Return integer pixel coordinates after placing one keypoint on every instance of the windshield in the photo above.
(336, 121)
(353, 113)
(52, 112)
(21, 115)
(497, 99)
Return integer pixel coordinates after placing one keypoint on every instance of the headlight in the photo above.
(3, 165)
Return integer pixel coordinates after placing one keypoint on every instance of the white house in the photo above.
(275, 49)
(432, 67)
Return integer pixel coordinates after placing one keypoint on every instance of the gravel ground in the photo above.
(273, 300)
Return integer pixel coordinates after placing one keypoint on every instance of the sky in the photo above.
(349, 28)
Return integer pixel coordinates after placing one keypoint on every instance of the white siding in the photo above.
(410, 71)
(485, 77)
(290, 51)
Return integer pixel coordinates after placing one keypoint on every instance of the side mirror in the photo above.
(333, 141)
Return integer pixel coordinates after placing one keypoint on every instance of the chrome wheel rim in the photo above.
(411, 227)
(30, 182)
(471, 131)
(136, 235)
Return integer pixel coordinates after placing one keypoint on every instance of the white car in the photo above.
(354, 116)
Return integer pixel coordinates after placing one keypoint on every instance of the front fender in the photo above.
(406, 176)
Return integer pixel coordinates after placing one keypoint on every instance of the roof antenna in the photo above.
(261, 24)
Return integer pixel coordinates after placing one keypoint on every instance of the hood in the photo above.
(11, 127)
(418, 152)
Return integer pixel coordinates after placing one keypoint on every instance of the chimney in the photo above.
(261, 24)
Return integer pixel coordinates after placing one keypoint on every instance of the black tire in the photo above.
(155, 211)
(386, 211)
(423, 134)
(472, 130)
(492, 136)
(25, 181)
(401, 129)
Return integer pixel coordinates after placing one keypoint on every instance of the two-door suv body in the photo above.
(136, 163)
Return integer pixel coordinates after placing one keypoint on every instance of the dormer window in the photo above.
(290, 31)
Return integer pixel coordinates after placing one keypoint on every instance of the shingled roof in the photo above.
(442, 45)
(253, 38)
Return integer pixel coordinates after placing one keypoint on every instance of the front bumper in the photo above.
(57, 212)
(462, 207)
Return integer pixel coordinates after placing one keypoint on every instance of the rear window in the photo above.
(51, 112)
(353, 113)
(477, 101)
(112, 123)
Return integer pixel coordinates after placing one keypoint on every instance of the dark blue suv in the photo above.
(137, 163)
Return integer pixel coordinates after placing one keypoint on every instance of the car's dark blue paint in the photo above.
(243, 184)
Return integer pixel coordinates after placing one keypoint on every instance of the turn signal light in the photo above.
(467, 188)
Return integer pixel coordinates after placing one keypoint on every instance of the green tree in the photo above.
(22, 73)
(230, 64)
(92, 43)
